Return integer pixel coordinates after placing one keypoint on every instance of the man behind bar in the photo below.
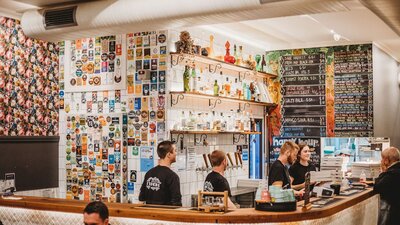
(215, 181)
(161, 185)
(387, 185)
(279, 174)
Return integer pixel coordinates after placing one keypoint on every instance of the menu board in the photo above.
(303, 95)
(353, 93)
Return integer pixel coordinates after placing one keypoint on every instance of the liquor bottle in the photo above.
(239, 59)
(223, 123)
(216, 88)
(247, 125)
(263, 64)
(237, 121)
(200, 122)
(244, 91)
(186, 75)
(258, 61)
(235, 54)
(192, 121)
(183, 121)
(248, 92)
(227, 87)
(208, 122)
(193, 81)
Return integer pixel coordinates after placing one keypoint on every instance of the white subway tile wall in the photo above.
(191, 181)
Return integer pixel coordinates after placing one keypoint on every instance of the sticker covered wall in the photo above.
(96, 63)
(94, 158)
(28, 83)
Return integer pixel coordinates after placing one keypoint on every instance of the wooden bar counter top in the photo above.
(247, 215)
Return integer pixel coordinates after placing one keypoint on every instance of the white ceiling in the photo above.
(354, 22)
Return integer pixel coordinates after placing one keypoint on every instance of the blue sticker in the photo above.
(61, 93)
(138, 103)
(131, 188)
(111, 159)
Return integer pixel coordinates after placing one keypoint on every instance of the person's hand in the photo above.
(299, 193)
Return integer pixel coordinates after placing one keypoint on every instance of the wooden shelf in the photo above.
(215, 64)
(199, 95)
(211, 132)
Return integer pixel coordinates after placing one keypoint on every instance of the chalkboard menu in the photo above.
(353, 93)
(303, 95)
(313, 143)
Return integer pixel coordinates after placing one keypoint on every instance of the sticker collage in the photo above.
(104, 127)
(28, 83)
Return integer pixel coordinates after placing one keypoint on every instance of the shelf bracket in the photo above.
(236, 138)
(213, 105)
(179, 59)
(245, 105)
(246, 73)
(176, 101)
(180, 136)
(201, 140)
(216, 67)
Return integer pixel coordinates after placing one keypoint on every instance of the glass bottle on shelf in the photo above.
(200, 122)
(263, 64)
(216, 88)
(237, 121)
(244, 94)
(194, 84)
(239, 60)
(247, 125)
(235, 54)
(227, 87)
(192, 121)
(248, 92)
(186, 76)
(208, 121)
(183, 121)
(223, 123)
(191, 81)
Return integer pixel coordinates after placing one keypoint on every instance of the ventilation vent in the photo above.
(60, 17)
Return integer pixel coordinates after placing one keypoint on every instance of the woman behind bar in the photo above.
(302, 165)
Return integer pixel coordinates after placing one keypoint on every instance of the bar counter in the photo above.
(363, 205)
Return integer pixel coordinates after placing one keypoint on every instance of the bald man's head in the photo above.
(390, 155)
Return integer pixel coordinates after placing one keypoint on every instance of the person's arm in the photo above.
(298, 186)
(175, 190)
(231, 205)
(142, 194)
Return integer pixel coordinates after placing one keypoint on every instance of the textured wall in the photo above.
(28, 83)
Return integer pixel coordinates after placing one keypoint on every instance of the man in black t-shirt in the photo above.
(161, 185)
(279, 174)
(215, 181)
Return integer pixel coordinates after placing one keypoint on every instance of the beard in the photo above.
(291, 160)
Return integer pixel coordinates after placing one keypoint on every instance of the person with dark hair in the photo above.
(215, 181)
(302, 165)
(279, 174)
(95, 213)
(387, 186)
(161, 185)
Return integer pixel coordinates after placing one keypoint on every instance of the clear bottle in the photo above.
(247, 122)
(183, 121)
(244, 91)
(239, 60)
(223, 123)
(235, 54)
(208, 122)
(200, 122)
